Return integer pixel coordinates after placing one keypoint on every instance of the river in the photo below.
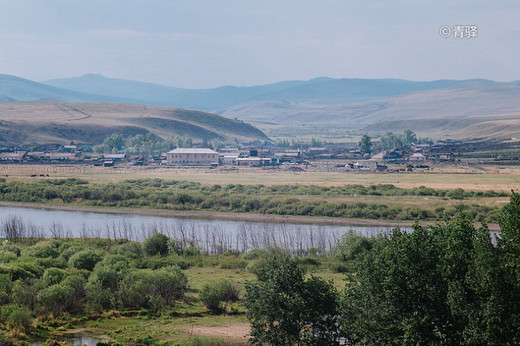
(207, 234)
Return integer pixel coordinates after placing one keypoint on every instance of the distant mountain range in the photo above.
(467, 99)
(14, 89)
(321, 91)
(320, 102)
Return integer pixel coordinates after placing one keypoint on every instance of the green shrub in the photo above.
(6, 256)
(15, 317)
(215, 294)
(67, 253)
(310, 261)
(144, 289)
(174, 246)
(157, 244)
(55, 298)
(255, 266)
(43, 249)
(256, 253)
(104, 281)
(132, 292)
(233, 262)
(24, 292)
(51, 262)
(67, 295)
(53, 276)
(10, 247)
(85, 259)
(15, 272)
(351, 246)
(76, 283)
(190, 251)
(29, 266)
(339, 268)
(456, 194)
(131, 249)
(5, 288)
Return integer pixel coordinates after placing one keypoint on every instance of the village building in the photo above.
(17, 156)
(229, 159)
(115, 157)
(255, 161)
(192, 157)
(417, 157)
(61, 156)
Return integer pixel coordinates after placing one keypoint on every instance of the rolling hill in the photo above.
(41, 123)
(486, 127)
(285, 108)
(443, 108)
(439, 113)
(468, 99)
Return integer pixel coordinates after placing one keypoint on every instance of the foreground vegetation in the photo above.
(144, 293)
(450, 284)
(298, 200)
(446, 284)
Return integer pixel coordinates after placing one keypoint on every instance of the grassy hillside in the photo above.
(458, 128)
(472, 99)
(41, 123)
(439, 113)
(330, 109)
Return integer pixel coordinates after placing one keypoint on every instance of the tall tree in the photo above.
(365, 145)
(391, 141)
(406, 288)
(409, 137)
(285, 309)
(447, 284)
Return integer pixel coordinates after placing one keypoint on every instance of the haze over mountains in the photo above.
(317, 91)
(375, 105)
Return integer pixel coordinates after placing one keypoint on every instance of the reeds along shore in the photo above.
(211, 239)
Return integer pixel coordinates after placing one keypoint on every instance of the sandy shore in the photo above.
(230, 216)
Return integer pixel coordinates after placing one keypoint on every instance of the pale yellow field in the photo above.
(495, 178)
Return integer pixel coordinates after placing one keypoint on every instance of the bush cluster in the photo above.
(182, 195)
(52, 277)
(449, 284)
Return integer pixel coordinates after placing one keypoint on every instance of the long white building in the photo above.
(191, 157)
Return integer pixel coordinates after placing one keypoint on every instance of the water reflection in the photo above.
(212, 236)
(78, 340)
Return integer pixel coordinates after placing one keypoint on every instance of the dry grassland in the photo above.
(492, 178)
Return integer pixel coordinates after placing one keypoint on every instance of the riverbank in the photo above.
(246, 217)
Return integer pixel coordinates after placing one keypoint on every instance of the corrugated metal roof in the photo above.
(115, 156)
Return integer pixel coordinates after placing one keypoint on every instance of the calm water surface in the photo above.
(204, 233)
(78, 340)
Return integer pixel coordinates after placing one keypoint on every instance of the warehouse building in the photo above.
(192, 157)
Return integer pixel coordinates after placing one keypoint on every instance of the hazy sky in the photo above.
(198, 44)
